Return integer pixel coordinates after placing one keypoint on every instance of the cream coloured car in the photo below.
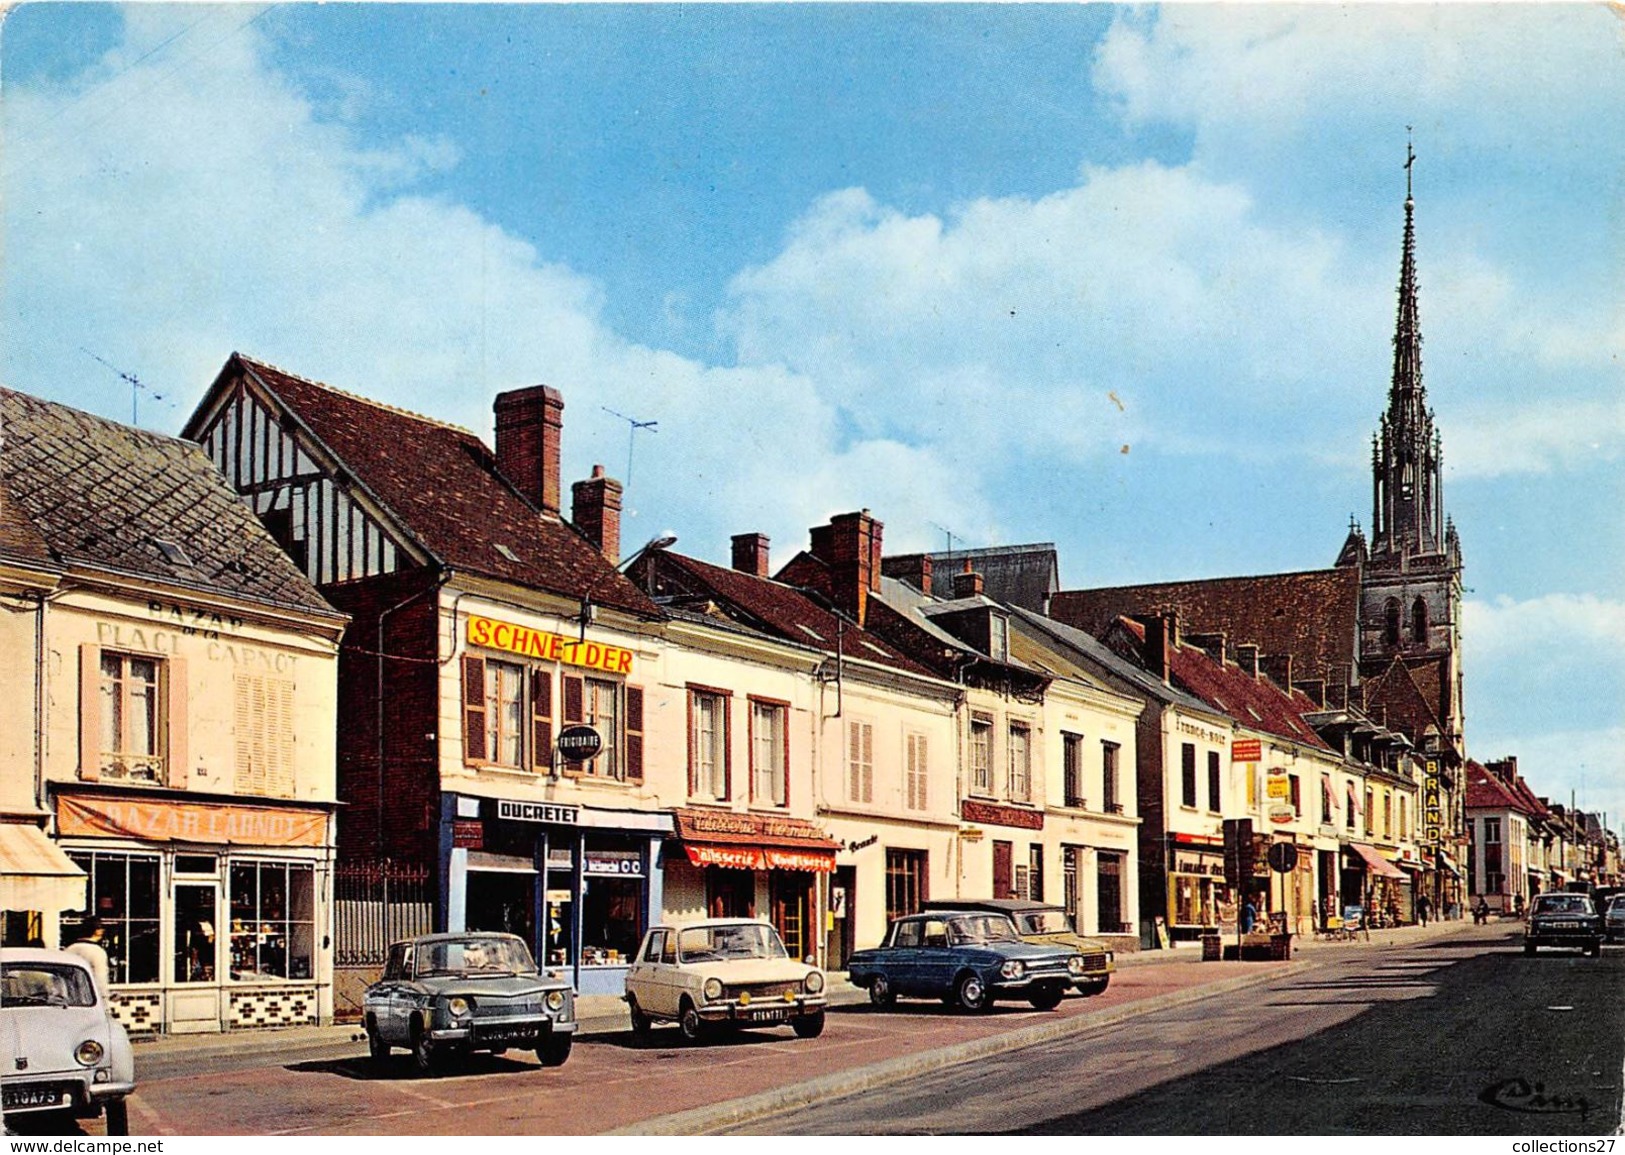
(729, 972)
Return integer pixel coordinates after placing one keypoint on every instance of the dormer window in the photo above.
(998, 637)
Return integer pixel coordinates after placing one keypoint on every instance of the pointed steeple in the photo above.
(1407, 389)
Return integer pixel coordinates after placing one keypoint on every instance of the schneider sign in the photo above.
(547, 647)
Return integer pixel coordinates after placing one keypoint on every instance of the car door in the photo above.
(936, 959)
(393, 1017)
(654, 975)
(902, 959)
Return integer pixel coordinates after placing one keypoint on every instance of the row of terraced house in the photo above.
(321, 673)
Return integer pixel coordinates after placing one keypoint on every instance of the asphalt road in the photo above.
(1461, 1036)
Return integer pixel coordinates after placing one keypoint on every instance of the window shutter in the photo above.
(541, 720)
(727, 748)
(574, 698)
(90, 712)
(868, 762)
(634, 733)
(693, 770)
(474, 747)
(854, 749)
(174, 706)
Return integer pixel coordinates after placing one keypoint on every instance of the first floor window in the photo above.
(1021, 767)
(122, 891)
(1072, 768)
(981, 754)
(860, 761)
(905, 882)
(1187, 774)
(504, 713)
(1370, 812)
(768, 754)
(129, 717)
(708, 745)
(273, 920)
(914, 773)
(1108, 775)
(1213, 780)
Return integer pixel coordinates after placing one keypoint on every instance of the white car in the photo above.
(730, 972)
(61, 1050)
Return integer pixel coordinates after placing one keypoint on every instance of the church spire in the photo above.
(1407, 384)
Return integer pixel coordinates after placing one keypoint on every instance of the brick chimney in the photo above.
(1212, 644)
(967, 583)
(1314, 689)
(750, 553)
(595, 507)
(913, 568)
(1161, 636)
(850, 546)
(1247, 658)
(529, 422)
(1278, 669)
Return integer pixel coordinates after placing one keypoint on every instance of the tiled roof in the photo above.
(19, 539)
(1312, 615)
(1092, 650)
(1395, 696)
(100, 495)
(441, 484)
(1255, 703)
(1018, 575)
(771, 606)
(1486, 791)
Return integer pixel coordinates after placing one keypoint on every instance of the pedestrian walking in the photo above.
(89, 946)
(1422, 905)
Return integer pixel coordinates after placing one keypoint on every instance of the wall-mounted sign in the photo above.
(1247, 750)
(546, 647)
(537, 812)
(579, 743)
(613, 863)
(1277, 786)
(1281, 812)
(469, 835)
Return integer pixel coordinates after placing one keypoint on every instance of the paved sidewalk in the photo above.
(606, 1014)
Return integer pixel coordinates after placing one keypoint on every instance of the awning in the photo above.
(1448, 864)
(489, 863)
(1375, 862)
(1407, 864)
(754, 841)
(35, 874)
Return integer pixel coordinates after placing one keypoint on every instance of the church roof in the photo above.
(1017, 575)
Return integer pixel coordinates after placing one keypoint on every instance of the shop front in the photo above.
(216, 911)
(741, 865)
(1373, 883)
(580, 884)
(1198, 896)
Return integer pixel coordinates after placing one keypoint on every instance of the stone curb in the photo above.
(708, 1119)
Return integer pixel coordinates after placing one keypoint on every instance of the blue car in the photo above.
(966, 957)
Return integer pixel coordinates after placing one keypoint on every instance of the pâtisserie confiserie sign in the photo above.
(543, 646)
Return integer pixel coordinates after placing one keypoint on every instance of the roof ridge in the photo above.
(1205, 581)
(152, 435)
(345, 393)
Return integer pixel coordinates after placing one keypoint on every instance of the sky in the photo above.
(1121, 279)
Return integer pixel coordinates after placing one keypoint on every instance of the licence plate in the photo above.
(770, 1015)
(1563, 926)
(31, 1097)
(505, 1034)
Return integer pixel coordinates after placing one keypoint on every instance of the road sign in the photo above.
(579, 743)
(1283, 857)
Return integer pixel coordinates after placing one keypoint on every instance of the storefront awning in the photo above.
(754, 841)
(35, 874)
(1448, 864)
(1375, 862)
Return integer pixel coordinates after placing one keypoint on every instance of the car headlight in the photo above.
(1075, 964)
(459, 1006)
(89, 1053)
(713, 990)
(1013, 969)
(1110, 957)
(814, 982)
(555, 1000)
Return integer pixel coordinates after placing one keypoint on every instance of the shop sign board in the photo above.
(205, 822)
(1277, 786)
(1432, 807)
(468, 835)
(1247, 750)
(579, 743)
(526, 642)
(613, 863)
(538, 812)
(1281, 812)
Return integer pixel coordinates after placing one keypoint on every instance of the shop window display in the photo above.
(273, 920)
(611, 920)
(121, 890)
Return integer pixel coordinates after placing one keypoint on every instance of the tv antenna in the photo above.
(136, 385)
(948, 533)
(633, 426)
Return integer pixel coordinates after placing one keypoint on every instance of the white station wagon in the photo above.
(61, 1050)
(729, 972)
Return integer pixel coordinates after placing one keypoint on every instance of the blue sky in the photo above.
(1121, 279)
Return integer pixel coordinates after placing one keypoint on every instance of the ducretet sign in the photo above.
(546, 647)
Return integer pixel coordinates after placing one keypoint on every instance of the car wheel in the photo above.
(376, 1047)
(1047, 998)
(425, 1055)
(1096, 987)
(1594, 950)
(880, 992)
(971, 992)
(554, 1049)
(1528, 948)
(118, 1117)
(809, 1026)
(690, 1023)
(642, 1024)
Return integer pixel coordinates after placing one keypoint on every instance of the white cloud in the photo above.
(1573, 629)
(1493, 440)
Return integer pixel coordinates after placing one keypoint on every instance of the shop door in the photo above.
(843, 893)
(730, 893)
(1003, 874)
(792, 898)
(1109, 893)
(194, 997)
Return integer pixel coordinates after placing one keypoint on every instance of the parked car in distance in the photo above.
(444, 996)
(1560, 919)
(1613, 921)
(966, 957)
(61, 1049)
(1049, 925)
(728, 972)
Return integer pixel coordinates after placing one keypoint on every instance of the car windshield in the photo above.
(979, 928)
(1045, 922)
(46, 984)
(486, 956)
(1616, 905)
(744, 940)
(1562, 904)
